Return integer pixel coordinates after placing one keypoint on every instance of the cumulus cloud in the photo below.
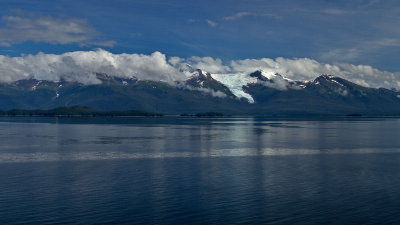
(208, 64)
(51, 30)
(82, 66)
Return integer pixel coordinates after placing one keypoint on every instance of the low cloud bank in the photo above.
(81, 66)
(298, 69)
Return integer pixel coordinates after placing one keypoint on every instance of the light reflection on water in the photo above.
(238, 152)
(199, 171)
(221, 137)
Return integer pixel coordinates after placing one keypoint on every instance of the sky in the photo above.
(353, 34)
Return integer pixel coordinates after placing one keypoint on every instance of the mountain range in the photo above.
(255, 93)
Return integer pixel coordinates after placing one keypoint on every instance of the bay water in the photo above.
(178, 170)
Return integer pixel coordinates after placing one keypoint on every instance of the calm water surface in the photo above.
(199, 171)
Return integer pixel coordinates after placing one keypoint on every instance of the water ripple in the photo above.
(236, 152)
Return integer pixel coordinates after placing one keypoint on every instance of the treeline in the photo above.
(206, 114)
(74, 111)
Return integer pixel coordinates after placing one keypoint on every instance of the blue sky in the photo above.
(357, 32)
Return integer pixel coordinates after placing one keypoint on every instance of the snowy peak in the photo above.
(200, 75)
(330, 80)
(203, 80)
(267, 76)
(259, 75)
(261, 92)
(273, 80)
(333, 85)
(240, 83)
(199, 79)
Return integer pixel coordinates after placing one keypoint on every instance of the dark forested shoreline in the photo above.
(74, 111)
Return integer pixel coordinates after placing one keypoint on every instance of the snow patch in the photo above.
(337, 83)
(303, 84)
(35, 86)
(269, 74)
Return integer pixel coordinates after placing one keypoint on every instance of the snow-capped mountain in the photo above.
(237, 83)
(259, 92)
(203, 80)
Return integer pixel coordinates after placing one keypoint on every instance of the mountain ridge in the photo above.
(271, 94)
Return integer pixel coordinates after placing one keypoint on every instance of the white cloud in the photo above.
(302, 69)
(240, 15)
(208, 64)
(81, 66)
(47, 29)
(217, 94)
(211, 23)
(237, 16)
(278, 82)
(296, 69)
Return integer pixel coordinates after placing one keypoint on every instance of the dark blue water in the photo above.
(199, 171)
